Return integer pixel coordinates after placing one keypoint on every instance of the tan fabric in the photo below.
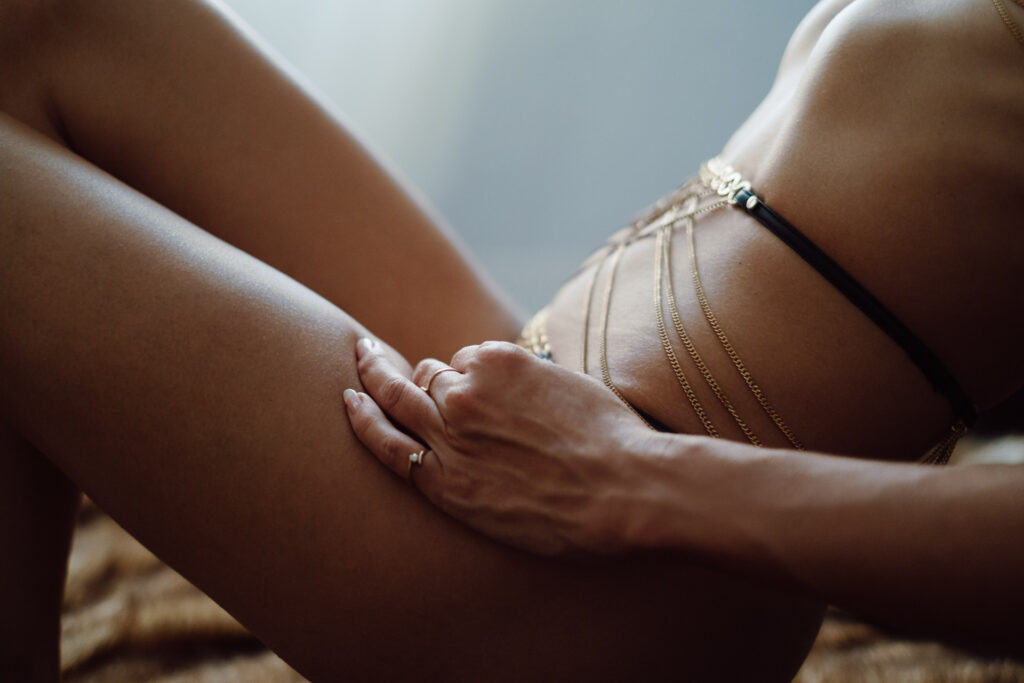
(128, 617)
(851, 652)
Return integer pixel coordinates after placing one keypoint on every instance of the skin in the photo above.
(888, 126)
(180, 226)
(554, 464)
(171, 202)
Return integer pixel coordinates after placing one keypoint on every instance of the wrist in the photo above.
(665, 500)
(622, 486)
(698, 497)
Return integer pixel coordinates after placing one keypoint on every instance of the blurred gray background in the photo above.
(535, 127)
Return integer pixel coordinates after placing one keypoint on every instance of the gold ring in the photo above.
(430, 380)
(414, 459)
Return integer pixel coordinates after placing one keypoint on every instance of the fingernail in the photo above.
(352, 399)
(363, 346)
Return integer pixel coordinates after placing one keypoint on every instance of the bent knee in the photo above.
(29, 51)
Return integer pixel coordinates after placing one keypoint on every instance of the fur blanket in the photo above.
(129, 617)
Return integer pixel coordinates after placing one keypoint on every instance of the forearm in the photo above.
(934, 551)
(553, 463)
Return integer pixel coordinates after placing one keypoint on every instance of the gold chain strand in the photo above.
(606, 374)
(589, 301)
(535, 337)
(664, 234)
(940, 453)
(665, 253)
(709, 315)
(1008, 20)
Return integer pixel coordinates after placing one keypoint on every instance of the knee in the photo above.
(28, 45)
(26, 29)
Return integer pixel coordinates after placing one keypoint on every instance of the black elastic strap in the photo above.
(941, 379)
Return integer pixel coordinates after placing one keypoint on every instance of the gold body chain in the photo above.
(1004, 14)
(711, 192)
(715, 188)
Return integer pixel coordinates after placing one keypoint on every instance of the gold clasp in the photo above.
(724, 179)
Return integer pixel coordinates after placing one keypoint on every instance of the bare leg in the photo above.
(37, 509)
(195, 393)
(172, 99)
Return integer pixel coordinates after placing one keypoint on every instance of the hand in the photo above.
(518, 448)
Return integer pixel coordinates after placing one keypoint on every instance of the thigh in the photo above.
(195, 394)
(37, 511)
(177, 99)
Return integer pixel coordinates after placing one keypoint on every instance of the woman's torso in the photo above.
(894, 139)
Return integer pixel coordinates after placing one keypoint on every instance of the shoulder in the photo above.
(901, 152)
(893, 39)
(924, 86)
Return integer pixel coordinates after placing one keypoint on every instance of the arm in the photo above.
(551, 462)
(930, 551)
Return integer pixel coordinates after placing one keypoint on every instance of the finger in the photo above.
(434, 378)
(390, 445)
(490, 354)
(400, 398)
(460, 361)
